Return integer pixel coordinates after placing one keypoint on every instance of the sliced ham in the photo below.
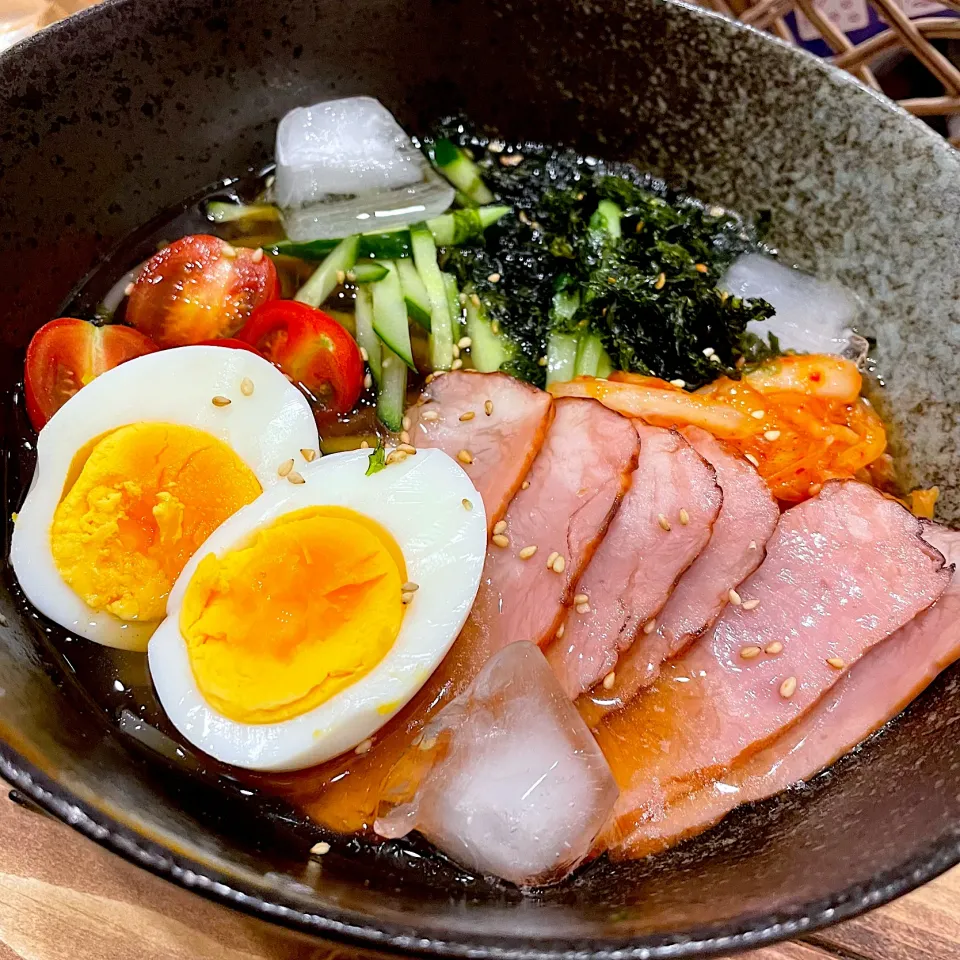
(736, 548)
(506, 423)
(867, 697)
(843, 571)
(661, 527)
(576, 484)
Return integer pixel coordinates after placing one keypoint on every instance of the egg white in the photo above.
(170, 386)
(420, 502)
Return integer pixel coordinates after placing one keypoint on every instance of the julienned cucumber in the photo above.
(393, 389)
(414, 293)
(366, 336)
(331, 272)
(488, 350)
(447, 229)
(441, 325)
(366, 271)
(461, 171)
(561, 357)
(589, 354)
(390, 316)
(453, 303)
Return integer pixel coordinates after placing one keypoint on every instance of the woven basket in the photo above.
(901, 35)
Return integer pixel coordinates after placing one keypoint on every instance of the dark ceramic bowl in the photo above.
(122, 111)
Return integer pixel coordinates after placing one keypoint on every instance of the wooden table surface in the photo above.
(64, 898)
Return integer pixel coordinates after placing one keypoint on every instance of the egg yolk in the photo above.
(306, 608)
(138, 507)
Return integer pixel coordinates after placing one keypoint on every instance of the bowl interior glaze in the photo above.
(113, 116)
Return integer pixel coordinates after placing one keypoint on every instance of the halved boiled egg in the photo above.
(314, 614)
(136, 470)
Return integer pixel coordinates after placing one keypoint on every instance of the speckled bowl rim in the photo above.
(353, 929)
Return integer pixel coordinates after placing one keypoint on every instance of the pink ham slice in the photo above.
(867, 697)
(736, 548)
(576, 484)
(843, 571)
(575, 488)
(502, 442)
(662, 525)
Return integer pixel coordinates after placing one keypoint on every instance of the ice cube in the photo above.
(342, 147)
(811, 316)
(507, 779)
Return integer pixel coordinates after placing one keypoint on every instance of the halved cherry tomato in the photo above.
(231, 342)
(66, 354)
(200, 288)
(311, 348)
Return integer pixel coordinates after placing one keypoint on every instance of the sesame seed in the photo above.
(128, 289)
(836, 662)
(406, 423)
(228, 251)
(582, 608)
(609, 680)
(650, 626)
(488, 407)
(429, 415)
(295, 477)
(456, 351)
(748, 653)
(464, 342)
(752, 459)
(525, 485)
(527, 552)
(406, 597)
(678, 383)
(559, 564)
(257, 255)
(700, 267)
(772, 435)
(495, 326)
(734, 597)
(758, 414)
(494, 278)
(661, 282)
(467, 505)
(469, 415)
(364, 356)
(708, 352)
(404, 436)
(664, 522)
(581, 598)
(363, 747)
(396, 456)
(500, 540)
(553, 556)
(285, 467)
(246, 387)
(772, 649)
(500, 526)
(788, 688)
(542, 362)
(367, 381)
(465, 456)
(364, 445)
(511, 159)
(684, 517)
(753, 545)
(751, 604)
(341, 276)
(221, 401)
(560, 631)
(320, 849)
(474, 299)
(457, 364)
(407, 448)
